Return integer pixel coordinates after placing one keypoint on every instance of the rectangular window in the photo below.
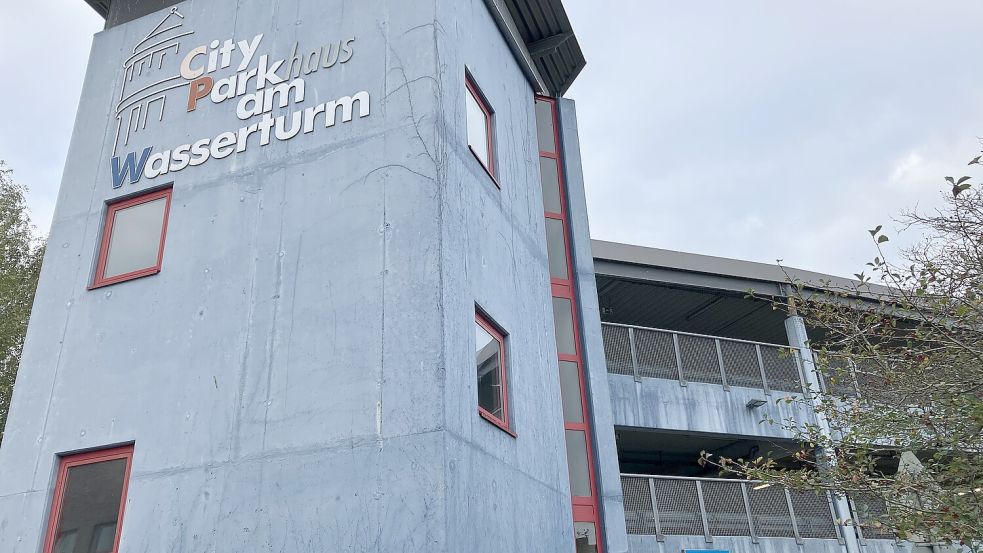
(87, 508)
(132, 243)
(556, 249)
(577, 463)
(550, 176)
(489, 355)
(563, 326)
(586, 533)
(479, 120)
(570, 392)
(544, 126)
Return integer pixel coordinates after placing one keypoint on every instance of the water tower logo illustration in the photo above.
(147, 78)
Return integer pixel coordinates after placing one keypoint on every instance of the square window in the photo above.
(489, 354)
(479, 120)
(132, 243)
(87, 508)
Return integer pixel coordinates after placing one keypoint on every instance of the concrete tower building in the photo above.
(319, 279)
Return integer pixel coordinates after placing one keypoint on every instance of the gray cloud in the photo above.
(44, 47)
(772, 130)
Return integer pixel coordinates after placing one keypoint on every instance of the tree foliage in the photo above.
(20, 264)
(899, 424)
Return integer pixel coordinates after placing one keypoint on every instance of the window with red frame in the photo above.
(87, 509)
(132, 244)
(480, 135)
(489, 356)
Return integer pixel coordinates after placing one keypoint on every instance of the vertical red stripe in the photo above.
(585, 509)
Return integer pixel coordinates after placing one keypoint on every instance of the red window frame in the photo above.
(475, 92)
(69, 461)
(499, 336)
(107, 234)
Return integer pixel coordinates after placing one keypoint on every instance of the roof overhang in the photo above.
(542, 39)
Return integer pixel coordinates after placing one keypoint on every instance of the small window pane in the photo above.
(135, 240)
(577, 463)
(488, 359)
(556, 248)
(570, 392)
(551, 184)
(477, 129)
(544, 126)
(586, 535)
(563, 326)
(90, 508)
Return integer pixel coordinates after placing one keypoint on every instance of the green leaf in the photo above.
(874, 231)
(881, 239)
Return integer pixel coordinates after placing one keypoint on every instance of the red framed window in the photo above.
(481, 136)
(132, 244)
(87, 507)
(489, 357)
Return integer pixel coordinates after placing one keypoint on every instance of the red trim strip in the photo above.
(585, 509)
(67, 462)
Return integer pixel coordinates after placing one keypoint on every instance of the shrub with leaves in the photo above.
(899, 425)
(20, 264)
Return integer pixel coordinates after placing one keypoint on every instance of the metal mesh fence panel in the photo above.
(872, 512)
(874, 383)
(780, 369)
(726, 514)
(679, 507)
(769, 510)
(838, 377)
(741, 364)
(656, 354)
(639, 515)
(699, 357)
(812, 514)
(617, 349)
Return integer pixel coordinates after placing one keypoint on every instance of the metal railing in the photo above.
(655, 353)
(708, 507)
(870, 511)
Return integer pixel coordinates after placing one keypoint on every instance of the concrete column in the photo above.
(795, 328)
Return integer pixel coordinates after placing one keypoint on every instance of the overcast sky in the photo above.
(757, 129)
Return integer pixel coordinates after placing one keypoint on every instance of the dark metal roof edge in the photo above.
(724, 267)
(549, 21)
(103, 11)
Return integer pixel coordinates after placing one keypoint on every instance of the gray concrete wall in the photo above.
(300, 375)
(698, 407)
(509, 494)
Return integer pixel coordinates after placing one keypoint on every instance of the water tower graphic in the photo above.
(147, 79)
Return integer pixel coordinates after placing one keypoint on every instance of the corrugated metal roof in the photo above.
(702, 311)
(549, 37)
